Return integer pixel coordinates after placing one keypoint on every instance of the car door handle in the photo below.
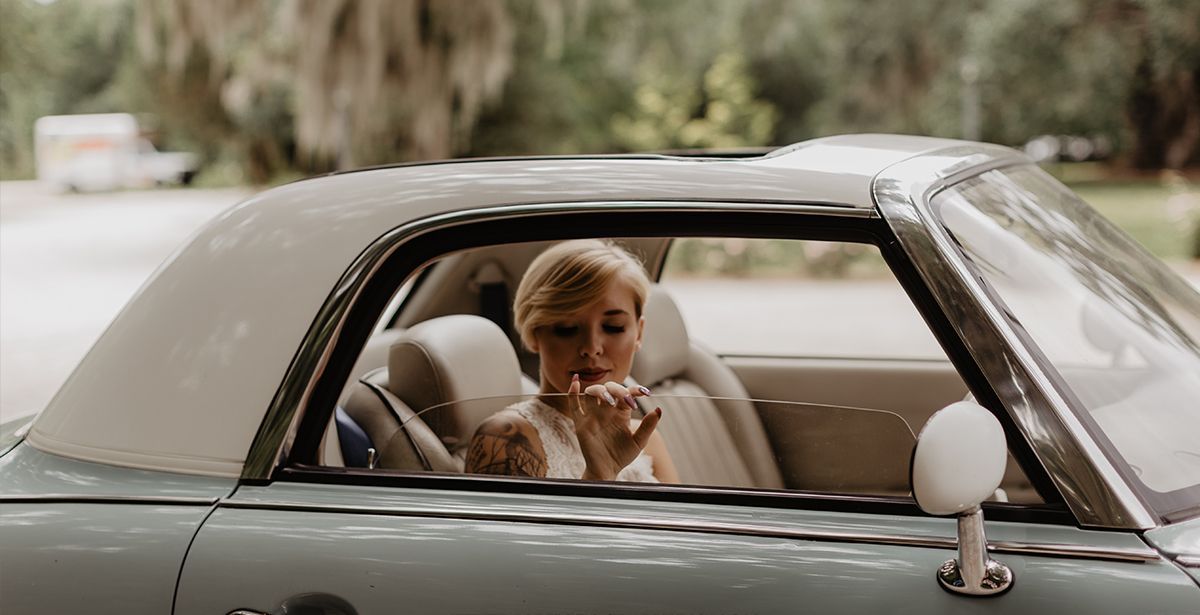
(306, 604)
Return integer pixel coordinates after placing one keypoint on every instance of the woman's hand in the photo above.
(602, 414)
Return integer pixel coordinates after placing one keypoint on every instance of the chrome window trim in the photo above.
(1091, 486)
(76, 498)
(1137, 555)
(277, 431)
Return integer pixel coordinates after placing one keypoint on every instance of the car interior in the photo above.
(444, 356)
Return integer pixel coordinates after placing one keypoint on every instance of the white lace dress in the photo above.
(564, 458)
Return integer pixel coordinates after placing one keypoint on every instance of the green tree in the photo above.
(1129, 70)
(54, 58)
(362, 82)
(722, 113)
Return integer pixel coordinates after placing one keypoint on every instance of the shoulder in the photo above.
(508, 423)
(506, 444)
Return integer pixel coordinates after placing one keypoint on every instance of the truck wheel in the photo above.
(187, 177)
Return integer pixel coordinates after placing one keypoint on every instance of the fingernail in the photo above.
(575, 378)
(610, 399)
(644, 390)
(629, 401)
(658, 411)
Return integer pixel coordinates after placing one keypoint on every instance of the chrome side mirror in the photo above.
(957, 463)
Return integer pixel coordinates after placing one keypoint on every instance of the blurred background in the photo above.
(220, 98)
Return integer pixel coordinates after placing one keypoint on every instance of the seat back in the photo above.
(447, 359)
(463, 366)
(715, 441)
(401, 441)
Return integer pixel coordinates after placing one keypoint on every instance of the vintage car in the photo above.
(275, 423)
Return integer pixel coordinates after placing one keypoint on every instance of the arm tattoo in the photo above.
(500, 448)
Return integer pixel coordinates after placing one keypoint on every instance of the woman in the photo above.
(579, 307)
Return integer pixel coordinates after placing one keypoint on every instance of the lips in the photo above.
(590, 374)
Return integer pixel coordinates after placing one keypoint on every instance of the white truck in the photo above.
(104, 151)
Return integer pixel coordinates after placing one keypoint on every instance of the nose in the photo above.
(590, 345)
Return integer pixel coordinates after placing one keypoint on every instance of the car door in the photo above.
(298, 534)
(839, 539)
(381, 549)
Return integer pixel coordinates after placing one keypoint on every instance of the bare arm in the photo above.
(507, 445)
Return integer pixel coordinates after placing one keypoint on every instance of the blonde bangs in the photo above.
(568, 277)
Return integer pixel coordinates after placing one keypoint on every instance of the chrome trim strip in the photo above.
(1024, 548)
(1188, 561)
(277, 431)
(1091, 486)
(76, 498)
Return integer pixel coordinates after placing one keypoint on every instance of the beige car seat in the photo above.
(712, 441)
(444, 376)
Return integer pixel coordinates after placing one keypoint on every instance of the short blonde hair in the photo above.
(570, 275)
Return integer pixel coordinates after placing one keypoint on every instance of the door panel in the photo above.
(416, 551)
(65, 557)
(913, 389)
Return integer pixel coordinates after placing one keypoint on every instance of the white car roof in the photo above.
(184, 375)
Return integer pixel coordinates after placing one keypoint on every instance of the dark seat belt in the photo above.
(494, 306)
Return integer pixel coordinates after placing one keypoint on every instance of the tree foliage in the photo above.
(277, 86)
(363, 82)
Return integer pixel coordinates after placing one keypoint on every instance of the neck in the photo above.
(555, 399)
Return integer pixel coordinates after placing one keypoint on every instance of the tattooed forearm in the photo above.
(500, 448)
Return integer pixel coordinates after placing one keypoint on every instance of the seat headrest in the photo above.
(664, 352)
(452, 359)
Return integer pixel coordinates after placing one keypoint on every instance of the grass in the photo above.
(1161, 214)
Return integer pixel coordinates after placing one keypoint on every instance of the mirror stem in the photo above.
(974, 573)
(972, 547)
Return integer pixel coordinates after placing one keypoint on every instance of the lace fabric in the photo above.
(564, 457)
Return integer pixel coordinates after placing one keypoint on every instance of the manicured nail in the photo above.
(575, 378)
(610, 399)
(629, 401)
(658, 411)
(644, 390)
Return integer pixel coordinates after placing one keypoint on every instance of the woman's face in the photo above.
(597, 342)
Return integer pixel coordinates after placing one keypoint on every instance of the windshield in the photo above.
(716, 442)
(1118, 327)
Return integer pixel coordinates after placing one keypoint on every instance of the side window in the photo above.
(821, 329)
(791, 298)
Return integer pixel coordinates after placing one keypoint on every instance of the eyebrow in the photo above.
(615, 312)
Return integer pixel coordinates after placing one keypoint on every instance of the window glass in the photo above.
(1119, 328)
(422, 390)
(775, 297)
(758, 445)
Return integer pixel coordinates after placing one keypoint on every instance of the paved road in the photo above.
(68, 263)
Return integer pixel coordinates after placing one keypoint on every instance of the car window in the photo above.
(777, 420)
(739, 443)
(1119, 329)
(794, 298)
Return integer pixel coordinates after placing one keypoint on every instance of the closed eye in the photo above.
(614, 328)
(563, 331)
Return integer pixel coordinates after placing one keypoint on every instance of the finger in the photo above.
(599, 391)
(642, 435)
(618, 391)
(639, 391)
(573, 394)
